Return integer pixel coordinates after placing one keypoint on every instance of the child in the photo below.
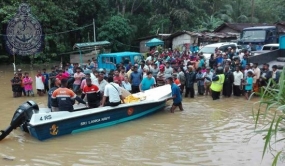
(28, 82)
(40, 83)
(16, 86)
(248, 84)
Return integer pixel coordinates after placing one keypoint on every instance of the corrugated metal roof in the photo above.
(91, 44)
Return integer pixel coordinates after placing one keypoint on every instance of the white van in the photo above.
(270, 47)
(266, 48)
(210, 49)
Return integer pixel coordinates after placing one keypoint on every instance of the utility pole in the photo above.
(252, 10)
(94, 31)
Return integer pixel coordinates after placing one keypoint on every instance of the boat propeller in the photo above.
(22, 115)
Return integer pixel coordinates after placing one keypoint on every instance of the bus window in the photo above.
(113, 60)
(126, 60)
(137, 59)
(105, 59)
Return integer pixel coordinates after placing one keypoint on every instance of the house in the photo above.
(183, 39)
(237, 27)
(142, 41)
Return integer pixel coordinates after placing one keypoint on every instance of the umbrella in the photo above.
(154, 42)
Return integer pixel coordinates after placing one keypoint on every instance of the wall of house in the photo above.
(143, 48)
(182, 39)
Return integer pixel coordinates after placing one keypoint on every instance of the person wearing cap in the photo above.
(275, 74)
(176, 95)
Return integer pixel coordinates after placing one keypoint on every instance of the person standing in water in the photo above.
(217, 83)
(16, 86)
(176, 95)
(28, 82)
(40, 80)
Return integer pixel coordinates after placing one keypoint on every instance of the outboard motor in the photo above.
(21, 117)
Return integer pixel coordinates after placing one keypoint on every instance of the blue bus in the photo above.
(109, 60)
(259, 34)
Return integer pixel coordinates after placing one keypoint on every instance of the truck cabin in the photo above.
(256, 35)
(110, 60)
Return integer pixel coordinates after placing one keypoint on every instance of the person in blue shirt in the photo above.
(46, 76)
(248, 84)
(176, 95)
(135, 79)
(258, 47)
(147, 83)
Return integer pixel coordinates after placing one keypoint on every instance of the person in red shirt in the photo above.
(61, 76)
(117, 77)
(93, 94)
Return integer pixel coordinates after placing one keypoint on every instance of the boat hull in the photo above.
(93, 121)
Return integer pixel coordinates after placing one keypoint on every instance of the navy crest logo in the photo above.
(24, 33)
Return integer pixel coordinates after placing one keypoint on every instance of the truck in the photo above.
(258, 35)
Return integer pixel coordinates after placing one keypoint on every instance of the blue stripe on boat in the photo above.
(118, 121)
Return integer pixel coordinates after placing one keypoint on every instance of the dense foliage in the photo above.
(123, 21)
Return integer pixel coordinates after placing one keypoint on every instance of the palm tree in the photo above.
(209, 23)
(236, 11)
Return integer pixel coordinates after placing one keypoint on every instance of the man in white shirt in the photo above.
(93, 77)
(256, 73)
(238, 77)
(113, 91)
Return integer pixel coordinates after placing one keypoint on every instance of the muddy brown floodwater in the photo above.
(210, 133)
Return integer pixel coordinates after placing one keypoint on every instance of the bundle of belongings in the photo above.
(135, 98)
(131, 99)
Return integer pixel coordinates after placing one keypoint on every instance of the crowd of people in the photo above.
(227, 72)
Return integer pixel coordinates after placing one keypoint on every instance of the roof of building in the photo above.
(90, 44)
(204, 34)
(120, 54)
(239, 26)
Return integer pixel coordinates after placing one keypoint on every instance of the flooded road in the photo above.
(210, 133)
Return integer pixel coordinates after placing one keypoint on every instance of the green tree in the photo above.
(118, 31)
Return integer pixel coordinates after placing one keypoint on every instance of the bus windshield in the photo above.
(253, 34)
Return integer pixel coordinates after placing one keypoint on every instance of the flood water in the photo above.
(210, 133)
